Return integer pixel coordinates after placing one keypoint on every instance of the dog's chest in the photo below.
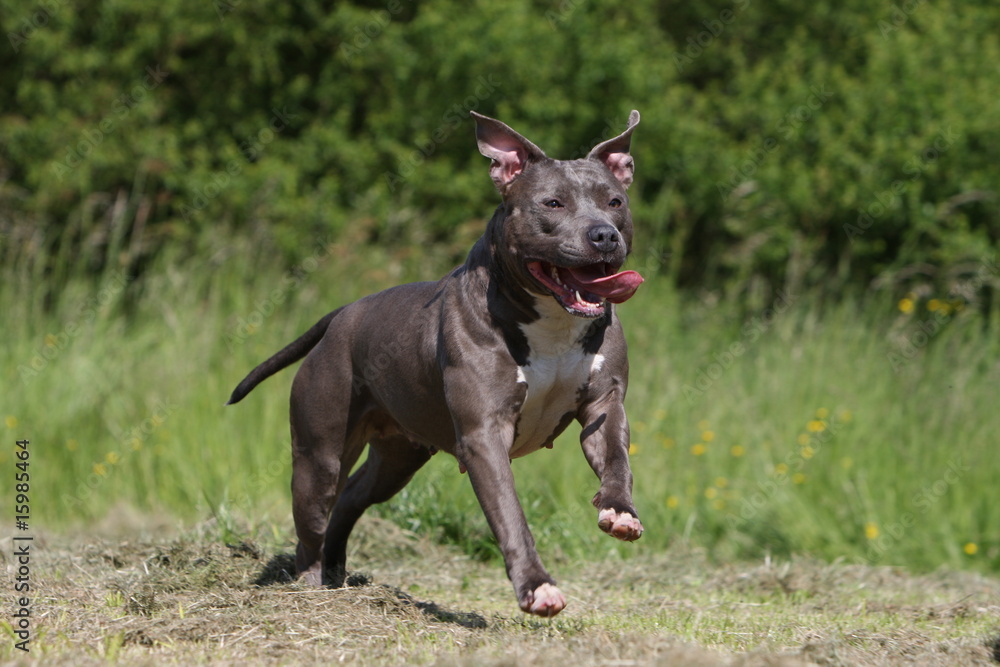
(558, 369)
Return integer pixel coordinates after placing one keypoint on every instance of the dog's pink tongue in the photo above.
(616, 288)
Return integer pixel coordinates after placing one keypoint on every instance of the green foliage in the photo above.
(786, 148)
(782, 145)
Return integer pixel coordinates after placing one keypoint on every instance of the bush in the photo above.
(788, 145)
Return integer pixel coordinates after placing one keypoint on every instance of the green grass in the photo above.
(802, 439)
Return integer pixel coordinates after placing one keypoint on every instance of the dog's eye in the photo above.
(615, 203)
(553, 203)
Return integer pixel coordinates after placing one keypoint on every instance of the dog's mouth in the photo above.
(585, 290)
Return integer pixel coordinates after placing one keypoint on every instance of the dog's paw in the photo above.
(546, 600)
(622, 525)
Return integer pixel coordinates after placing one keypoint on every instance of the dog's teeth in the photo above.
(579, 299)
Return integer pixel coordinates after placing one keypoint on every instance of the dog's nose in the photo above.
(604, 237)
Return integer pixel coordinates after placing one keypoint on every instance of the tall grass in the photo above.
(789, 429)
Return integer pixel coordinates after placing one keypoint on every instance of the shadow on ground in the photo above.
(280, 570)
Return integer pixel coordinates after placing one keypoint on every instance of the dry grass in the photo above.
(189, 599)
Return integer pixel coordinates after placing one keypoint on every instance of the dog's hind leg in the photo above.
(390, 465)
(316, 480)
(327, 439)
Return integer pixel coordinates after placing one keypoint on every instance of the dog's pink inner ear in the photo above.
(508, 150)
(506, 165)
(621, 165)
(615, 152)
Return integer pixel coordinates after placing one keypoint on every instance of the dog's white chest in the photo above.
(557, 371)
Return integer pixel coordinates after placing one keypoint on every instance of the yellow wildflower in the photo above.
(871, 530)
(711, 493)
(846, 462)
(780, 469)
(659, 414)
(10, 421)
(111, 457)
(933, 305)
(799, 478)
(721, 482)
(737, 450)
(970, 548)
(698, 449)
(906, 305)
(807, 452)
(673, 502)
(708, 436)
(100, 470)
(719, 504)
(803, 439)
(816, 426)
(72, 445)
(822, 413)
(632, 449)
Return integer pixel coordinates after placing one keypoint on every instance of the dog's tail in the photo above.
(286, 357)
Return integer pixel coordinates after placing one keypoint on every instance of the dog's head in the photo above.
(567, 228)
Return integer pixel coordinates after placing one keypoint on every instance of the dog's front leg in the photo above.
(484, 453)
(605, 440)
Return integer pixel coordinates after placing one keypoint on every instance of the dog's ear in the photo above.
(614, 152)
(509, 151)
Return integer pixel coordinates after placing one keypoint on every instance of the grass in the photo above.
(788, 429)
(190, 598)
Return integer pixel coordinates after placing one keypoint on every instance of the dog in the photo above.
(490, 363)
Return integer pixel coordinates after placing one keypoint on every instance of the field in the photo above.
(191, 599)
(186, 187)
(816, 478)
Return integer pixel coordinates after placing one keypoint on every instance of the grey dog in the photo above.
(490, 363)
